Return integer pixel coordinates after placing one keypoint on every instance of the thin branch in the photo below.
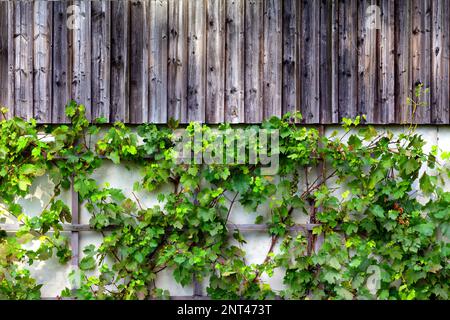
(231, 207)
(137, 200)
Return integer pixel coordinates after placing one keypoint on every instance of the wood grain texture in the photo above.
(178, 61)
(138, 62)
(23, 64)
(11, 60)
(81, 67)
(120, 61)
(440, 62)
(215, 55)
(101, 58)
(234, 72)
(196, 61)
(272, 58)
(290, 55)
(253, 61)
(334, 112)
(3, 55)
(62, 62)
(387, 63)
(310, 66)
(367, 60)
(421, 54)
(158, 23)
(347, 64)
(325, 57)
(403, 70)
(42, 61)
(240, 61)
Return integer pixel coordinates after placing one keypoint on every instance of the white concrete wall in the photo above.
(54, 276)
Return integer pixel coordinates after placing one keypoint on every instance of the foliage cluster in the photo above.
(380, 216)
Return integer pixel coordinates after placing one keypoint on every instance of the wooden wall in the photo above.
(238, 61)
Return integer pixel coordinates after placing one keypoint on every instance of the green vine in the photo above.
(367, 223)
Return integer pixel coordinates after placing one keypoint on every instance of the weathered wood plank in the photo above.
(4, 55)
(367, 59)
(42, 61)
(62, 60)
(290, 54)
(253, 61)
(348, 66)
(273, 47)
(178, 61)
(403, 69)
(310, 66)
(387, 63)
(234, 73)
(23, 66)
(81, 72)
(440, 62)
(196, 61)
(158, 61)
(138, 62)
(244, 59)
(215, 56)
(101, 58)
(334, 118)
(120, 61)
(325, 44)
(421, 54)
(11, 60)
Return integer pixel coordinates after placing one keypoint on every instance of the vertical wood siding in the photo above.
(215, 61)
(239, 61)
(196, 61)
(120, 61)
(4, 87)
(158, 23)
(138, 62)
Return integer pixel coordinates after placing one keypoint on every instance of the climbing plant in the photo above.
(378, 212)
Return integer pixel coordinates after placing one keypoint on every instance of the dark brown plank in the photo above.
(334, 117)
(310, 67)
(120, 61)
(403, 31)
(290, 63)
(3, 55)
(325, 72)
(367, 58)
(348, 71)
(138, 62)
(61, 83)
